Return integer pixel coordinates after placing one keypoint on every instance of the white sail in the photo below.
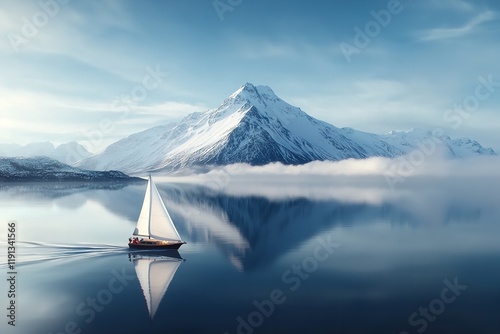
(161, 225)
(154, 220)
(142, 227)
(155, 275)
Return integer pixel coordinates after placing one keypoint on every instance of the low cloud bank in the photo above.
(372, 180)
(435, 166)
(403, 166)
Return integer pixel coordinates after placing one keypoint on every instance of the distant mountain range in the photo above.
(255, 126)
(69, 153)
(47, 169)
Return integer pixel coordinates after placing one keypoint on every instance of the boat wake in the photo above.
(34, 252)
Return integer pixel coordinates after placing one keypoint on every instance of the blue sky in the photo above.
(71, 68)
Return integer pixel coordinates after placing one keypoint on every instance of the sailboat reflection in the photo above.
(155, 271)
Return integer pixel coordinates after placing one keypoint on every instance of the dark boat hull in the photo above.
(158, 246)
(155, 253)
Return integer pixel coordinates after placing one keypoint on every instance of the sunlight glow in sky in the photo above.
(71, 67)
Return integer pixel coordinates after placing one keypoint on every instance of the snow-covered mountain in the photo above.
(47, 169)
(255, 126)
(69, 153)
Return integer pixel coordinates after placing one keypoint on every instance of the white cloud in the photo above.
(351, 181)
(171, 109)
(76, 33)
(375, 105)
(250, 47)
(52, 116)
(459, 5)
(468, 28)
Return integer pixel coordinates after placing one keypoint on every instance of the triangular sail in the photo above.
(155, 275)
(142, 227)
(161, 225)
(154, 220)
(142, 270)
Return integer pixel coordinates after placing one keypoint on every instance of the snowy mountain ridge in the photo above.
(69, 153)
(48, 169)
(255, 126)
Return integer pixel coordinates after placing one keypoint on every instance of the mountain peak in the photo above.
(248, 86)
(251, 88)
(256, 95)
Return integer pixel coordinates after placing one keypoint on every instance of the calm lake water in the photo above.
(313, 256)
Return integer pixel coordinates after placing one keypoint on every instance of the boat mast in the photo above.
(150, 204)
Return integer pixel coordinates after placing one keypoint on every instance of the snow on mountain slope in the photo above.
(67, 153)
(255, 126)
(454, 148)
(136, 152)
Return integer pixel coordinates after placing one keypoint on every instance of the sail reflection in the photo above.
(155, 272)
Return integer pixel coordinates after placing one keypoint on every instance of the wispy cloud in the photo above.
(377, 105)
(471, 26)
(46, 115)
(170, 109)
(251, 47)
(283, 47)
(460, 5)
(75, 32)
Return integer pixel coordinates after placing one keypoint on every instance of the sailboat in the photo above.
(154, 224)
(155, 272)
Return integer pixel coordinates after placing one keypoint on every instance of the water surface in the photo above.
(316, 256)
